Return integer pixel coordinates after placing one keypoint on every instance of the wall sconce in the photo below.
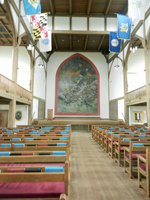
(117, 66)
(30, 47)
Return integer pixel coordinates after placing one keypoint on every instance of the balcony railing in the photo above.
(136, 94)
(6, 84)
(22, 92)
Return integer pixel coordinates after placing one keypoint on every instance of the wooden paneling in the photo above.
(63, 41)
(49, 114)
(79, 6)
(93, 41)
(41, 110)
(61, 6)
(3, 118)
(113, 106)
(98, 6)
(78, 41)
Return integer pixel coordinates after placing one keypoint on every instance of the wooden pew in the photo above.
(8, 176)
(130, 156)
(144, 172)
(124, 142)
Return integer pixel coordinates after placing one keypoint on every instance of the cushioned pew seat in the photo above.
(31, 164)
(121, 149)
(32, 190)
(134, 156)
(143, 166)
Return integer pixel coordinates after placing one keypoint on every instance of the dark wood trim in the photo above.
(89, 7)
(55, 41)
(108, 6)
(86, 41)
(51, 6)
(101, 42)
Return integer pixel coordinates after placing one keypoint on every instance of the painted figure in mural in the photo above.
(77, 87)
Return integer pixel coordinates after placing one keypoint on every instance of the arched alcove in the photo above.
(77, 87)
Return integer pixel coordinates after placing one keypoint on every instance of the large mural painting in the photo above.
(77, 87)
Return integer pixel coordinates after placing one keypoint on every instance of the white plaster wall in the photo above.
(111, 24)
(116, 81)
(136, 64)
(62, 23)
(39, 80)
(23, 109)
(6, 61)
(137, 108)
(96, 24)
(101, 65)
(35, 109)
(23, 75)
(79, 23)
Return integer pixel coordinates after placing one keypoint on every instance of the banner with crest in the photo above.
(124, 27)
(114, 43)
(32, 7)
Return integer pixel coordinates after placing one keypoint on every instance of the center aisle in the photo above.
(95, 176)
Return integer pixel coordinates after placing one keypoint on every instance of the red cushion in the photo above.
(121, 149)
(134, 156)
(143, 166)
(32, 190)
(31, 164)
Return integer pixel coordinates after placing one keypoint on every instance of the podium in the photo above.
(49, 114)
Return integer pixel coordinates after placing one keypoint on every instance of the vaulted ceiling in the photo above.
(70, 42)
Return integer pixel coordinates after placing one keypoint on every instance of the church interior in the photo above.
(75, 99)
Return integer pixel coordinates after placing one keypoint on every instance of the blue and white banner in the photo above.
(32, 7)
(136, 9)
(114, 43)
(46, 44)
(124, 27)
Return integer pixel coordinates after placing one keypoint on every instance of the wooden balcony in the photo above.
(136, 96)
(7, 90)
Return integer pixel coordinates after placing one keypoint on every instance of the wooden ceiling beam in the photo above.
(70, 7)
(108, 6)
(4, 37)
(7, 31)
(81, 32)
(60, 14)
(86, 41)
(101, 42)
(70, 42)
(51, 6)
(55, 41)
(89, 7)
(125, 9)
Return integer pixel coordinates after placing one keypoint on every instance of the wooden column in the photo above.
(45, 89)
(12, 104)
(30, 110)
(126, 108)
(147, 65)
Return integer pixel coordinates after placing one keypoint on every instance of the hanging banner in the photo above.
(32, 7)
(124, 27)
(114, 43)
(40, 27)
(136, 9)
(46, 44)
